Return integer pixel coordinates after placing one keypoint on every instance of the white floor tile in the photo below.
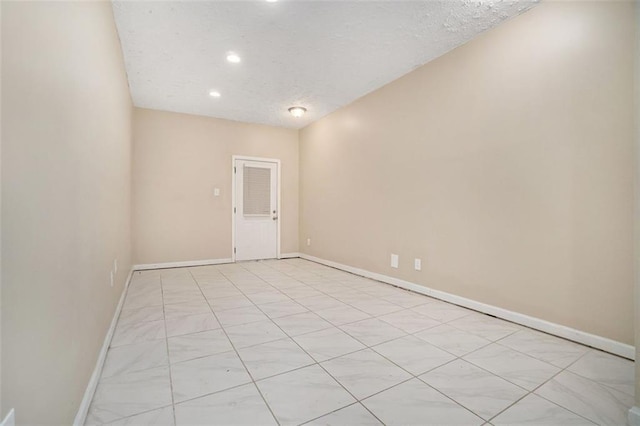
(303, 395)
(415, 403)
(513, 366)
(480, 391)
(196, 345)
(372, 331)
(342, 315)
(128, 394)
(409, 321)
(307, 322)
(135, 357)
(159, 417)
(606, 369)
(226, 303)
(186, 309)
(353, 415)
(376, 307)
(148, 313)
(441, 311)
(389, 335)
(414, 355)
(485, 326)
(282, 309)
(329, 343)
(241, 316)
(598, 403)
(254, 334)
(364, 373)
(238, 406)
(544, 347)
(535, 411)
(202, 376)
(269, 359)
(191, 324)
(137, 332)
(452, 340)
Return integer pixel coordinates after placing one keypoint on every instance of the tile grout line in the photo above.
(308, 354)
(358, 401)
(412, 376)
(234, 348)
(461, 358)
(166, 340)
(416, 376)
(402, 309)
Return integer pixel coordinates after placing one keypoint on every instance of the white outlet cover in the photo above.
(216, 192)
(308, 241)
(394, 260)
(417, 264)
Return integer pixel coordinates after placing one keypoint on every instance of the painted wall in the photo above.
(178, 160)
(637, 206)
(506, 165)
(66, 172)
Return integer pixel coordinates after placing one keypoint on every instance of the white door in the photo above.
(256, 209)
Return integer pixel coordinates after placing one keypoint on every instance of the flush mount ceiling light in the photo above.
(214, 94)
(233, 57)
(297, 111)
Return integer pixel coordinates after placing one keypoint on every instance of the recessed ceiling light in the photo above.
(297, 111)
(214, 94)
(233, 57)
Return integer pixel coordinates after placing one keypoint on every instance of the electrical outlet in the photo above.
(216, 192)
(395, 261)
(115, 266)
(308, 241)
(417, 264)
(111, 273)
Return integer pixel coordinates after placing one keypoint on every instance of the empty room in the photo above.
(320, 212)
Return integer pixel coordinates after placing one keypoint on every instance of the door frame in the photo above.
(233, 200)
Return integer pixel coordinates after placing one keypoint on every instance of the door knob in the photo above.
(275, 218)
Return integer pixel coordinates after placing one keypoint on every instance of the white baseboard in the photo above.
(10, 419)
(289, 255)
(81, 415)
(634, 416)
(181, 264)
(598, 342)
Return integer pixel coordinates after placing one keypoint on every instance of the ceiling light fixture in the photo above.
(271, 1)
(297, 111)
(233, 57)
(214, 94)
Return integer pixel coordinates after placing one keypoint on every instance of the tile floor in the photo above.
(292, 342)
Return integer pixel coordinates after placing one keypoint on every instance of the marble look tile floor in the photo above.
(291, 342)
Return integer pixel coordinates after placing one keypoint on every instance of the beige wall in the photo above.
(178, 160)
(66, 115)
(506, 165)
(637, 203)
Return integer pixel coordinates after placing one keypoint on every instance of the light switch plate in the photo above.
(394, 260)
(216, 192)
(417, 264)
(308, 241)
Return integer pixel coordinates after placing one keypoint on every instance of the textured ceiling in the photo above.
(318, 54)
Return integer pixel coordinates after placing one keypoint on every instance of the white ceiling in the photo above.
(318, 54)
